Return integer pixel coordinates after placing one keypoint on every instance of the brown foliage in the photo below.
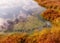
(56, 21)
(52, 4)
(45, 36)
(50, 14)
(14, 38)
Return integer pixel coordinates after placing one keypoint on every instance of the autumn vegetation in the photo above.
(50, 4)
(13, 38)
(51, 15)
(45, 35)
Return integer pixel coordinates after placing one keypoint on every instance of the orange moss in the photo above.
(50, 14)
(47, 35)
(56, 22)
(52, 4)
(14, 38)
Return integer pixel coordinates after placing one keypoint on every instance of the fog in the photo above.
(10, 9)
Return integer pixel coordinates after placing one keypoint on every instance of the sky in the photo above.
(9, 9)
